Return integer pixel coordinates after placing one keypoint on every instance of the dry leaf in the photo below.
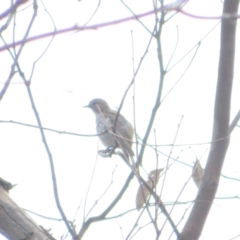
(143, 193)
(154, 176)
(197, 173)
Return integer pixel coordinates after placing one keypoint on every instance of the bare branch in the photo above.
(234, 122)
(102, 216)
(12, 8)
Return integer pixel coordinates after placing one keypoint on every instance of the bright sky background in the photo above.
(98, 63)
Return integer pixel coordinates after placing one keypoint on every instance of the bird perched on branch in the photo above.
(113, 134)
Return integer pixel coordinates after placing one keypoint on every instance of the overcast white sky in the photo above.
(98, 63)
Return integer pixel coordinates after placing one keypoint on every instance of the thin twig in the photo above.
(102, 216)
(135, 15)
(4, 27)
(48, 45)
(92, 27)
(196, 45)
(12, 8)
(234, 122)
(167, 163)
(89, 186)
(104, 192)
(54, 181)
(174, 50)
(91, 17)
(53, 130)
(134, 94)
(135, 225)
(160, 87)
(134, 77)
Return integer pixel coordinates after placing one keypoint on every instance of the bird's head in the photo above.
(98, 105)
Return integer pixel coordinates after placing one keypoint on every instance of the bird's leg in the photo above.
(111, 150)
(103, 153)
(107, 150)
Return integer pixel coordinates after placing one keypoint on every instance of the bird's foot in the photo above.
(107, 152)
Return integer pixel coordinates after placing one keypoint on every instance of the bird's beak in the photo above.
(87, 106)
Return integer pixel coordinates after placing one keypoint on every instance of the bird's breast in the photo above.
(107, 138)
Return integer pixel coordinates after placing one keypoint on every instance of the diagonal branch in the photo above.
(234, 122)
(102, 216)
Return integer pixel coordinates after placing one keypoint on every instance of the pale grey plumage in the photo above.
(105, 119)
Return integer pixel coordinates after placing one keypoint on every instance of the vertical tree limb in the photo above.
(209, 185)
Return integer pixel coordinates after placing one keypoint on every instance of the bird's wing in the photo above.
(124, 130)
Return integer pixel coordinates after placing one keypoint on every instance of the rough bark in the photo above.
(15, 224)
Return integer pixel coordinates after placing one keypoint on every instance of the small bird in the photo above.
(120, 137)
